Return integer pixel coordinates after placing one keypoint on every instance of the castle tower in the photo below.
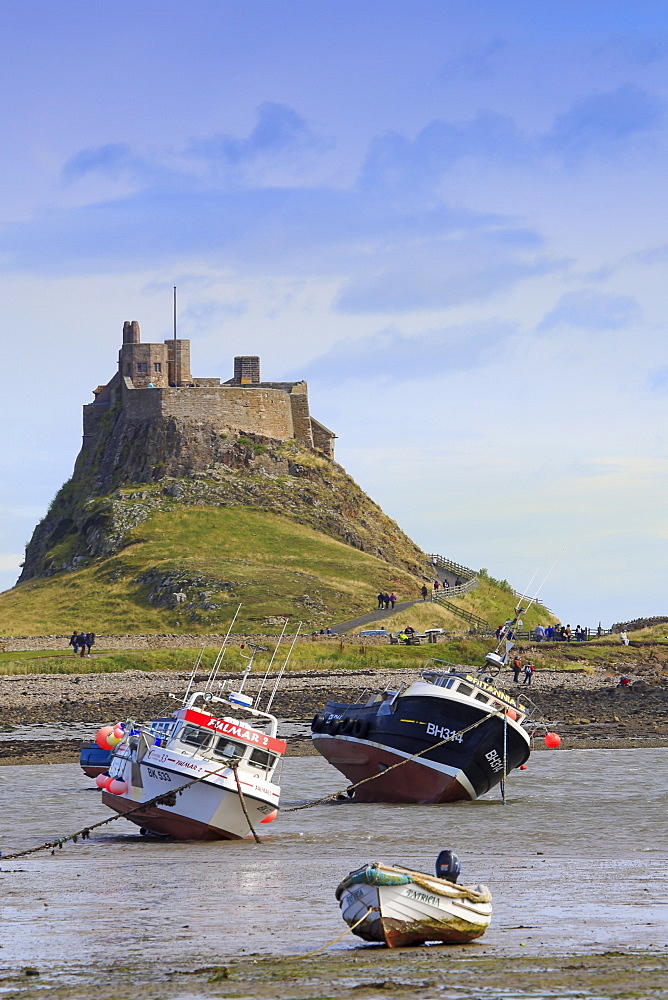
(131, 332)
(178, 358)
(246, 370)
(143, 364)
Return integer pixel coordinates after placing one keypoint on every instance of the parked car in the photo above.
(437, 631)
(375, 631)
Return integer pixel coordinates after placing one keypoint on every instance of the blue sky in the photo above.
(449, 217)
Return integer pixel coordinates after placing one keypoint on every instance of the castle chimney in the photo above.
(131, 332)
(247, 370)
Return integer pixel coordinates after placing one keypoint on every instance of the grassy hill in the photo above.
(219, 557)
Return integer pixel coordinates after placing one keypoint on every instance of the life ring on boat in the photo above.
(318, 722)
(359, 728)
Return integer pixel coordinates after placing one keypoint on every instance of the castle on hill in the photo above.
(154, 381)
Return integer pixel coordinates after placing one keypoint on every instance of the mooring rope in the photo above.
(85, 832)
(372, 777)
(235, 768)
(348, 930)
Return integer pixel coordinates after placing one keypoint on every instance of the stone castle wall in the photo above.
(149, 386)
(256, 411)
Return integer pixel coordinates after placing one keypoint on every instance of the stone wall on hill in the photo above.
(639, 623)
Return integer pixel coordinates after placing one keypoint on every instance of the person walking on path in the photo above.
(386, 601)
(424, 592)
(436, 585)
(81, 643)
(528, 673)
(73, 642)
(517, 666)
(393, 599)
(90, 640)
(381, 600)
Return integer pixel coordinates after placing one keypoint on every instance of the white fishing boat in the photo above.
(400, 907)
(209, 772)
(235, 760)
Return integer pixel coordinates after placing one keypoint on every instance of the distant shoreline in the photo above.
(588, 710)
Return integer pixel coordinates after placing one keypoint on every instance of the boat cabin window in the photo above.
(482, 697)
(161, 727)
(194, 736)
(229, 749)
(465, 689)
(262, 759)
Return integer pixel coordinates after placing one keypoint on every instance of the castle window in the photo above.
(157, 366)
(142, 366)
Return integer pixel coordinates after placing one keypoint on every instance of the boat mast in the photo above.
(282, 670)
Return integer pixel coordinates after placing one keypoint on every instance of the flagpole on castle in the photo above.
(176, 374)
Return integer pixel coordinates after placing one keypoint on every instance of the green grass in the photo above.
(331, 654)
(275, 567)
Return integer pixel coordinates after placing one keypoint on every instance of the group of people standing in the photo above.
(82, 642)
(385, 600)
(560, 633)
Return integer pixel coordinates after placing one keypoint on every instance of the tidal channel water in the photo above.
(577, 862)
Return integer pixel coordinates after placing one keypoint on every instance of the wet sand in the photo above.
(575, 861)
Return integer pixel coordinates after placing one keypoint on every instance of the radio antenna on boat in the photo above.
(534, 599)
(273, 657)
(221, 654)
(525, 592)
(192, 674)
(282, 670)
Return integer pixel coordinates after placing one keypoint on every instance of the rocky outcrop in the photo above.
(131, 471)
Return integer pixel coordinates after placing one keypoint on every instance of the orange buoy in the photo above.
(511, 713)
(552, 740)
(101, 736)
(522, 767)
(102, 780)
(119, 731)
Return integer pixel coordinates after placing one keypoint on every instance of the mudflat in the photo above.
(424, 973)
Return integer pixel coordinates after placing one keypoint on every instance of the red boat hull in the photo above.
(413, 782)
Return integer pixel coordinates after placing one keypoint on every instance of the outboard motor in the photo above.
(448, 866)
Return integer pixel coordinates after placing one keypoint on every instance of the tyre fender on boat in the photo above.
(359, 728)
(346, 725)
(318, 722)
(334, 727)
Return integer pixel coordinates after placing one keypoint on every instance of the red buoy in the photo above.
(117, 787)
(552, 740)
(271, 817)
(101, 780)
(523, 767)
(511, 713)
(101, 736)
